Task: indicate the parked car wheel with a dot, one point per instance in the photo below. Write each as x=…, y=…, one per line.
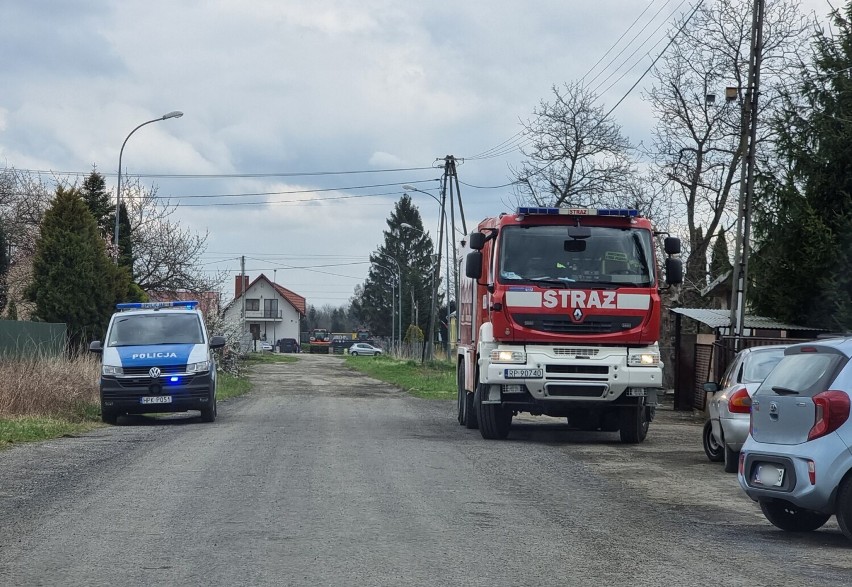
x=844, y=508
x=354, y=353
x=732, y=459
x=784, y=515
x=712, y=447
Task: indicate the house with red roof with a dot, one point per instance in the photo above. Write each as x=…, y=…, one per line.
x=272, y=312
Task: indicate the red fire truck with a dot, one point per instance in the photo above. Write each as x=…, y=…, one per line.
x=560, y=316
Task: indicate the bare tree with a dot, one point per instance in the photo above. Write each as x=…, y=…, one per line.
x=697, y=147
x=166, y=254
x=577, y=157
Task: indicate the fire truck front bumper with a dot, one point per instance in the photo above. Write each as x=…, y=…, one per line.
x=595, y=374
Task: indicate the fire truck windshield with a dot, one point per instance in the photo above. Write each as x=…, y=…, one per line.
x=609, y=256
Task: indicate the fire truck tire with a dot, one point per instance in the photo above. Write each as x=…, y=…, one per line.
x=471, y=419
x=461, y=393
x=634, y=424
x=494, y=420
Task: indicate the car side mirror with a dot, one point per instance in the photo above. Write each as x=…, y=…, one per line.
x=711, y=387
x=96, y=347
x=217, y=342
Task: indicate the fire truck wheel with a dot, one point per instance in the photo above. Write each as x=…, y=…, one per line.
x=634, y=424
x=462, y=394
x=494, y=420
x=471, y=420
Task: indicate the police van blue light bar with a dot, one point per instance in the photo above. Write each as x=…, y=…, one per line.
x=190, y=305
x=531, y=211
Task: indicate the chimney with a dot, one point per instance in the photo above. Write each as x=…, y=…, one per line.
x=240, y=285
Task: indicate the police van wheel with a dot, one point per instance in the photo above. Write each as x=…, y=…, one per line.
x=109, y=417
x=208, y=412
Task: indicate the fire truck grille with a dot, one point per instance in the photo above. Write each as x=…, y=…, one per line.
x=564, y=324
x=578, y=369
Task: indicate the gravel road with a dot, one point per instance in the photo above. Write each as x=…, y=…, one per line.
x=322, y=476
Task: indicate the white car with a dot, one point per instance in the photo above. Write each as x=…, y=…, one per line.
x=265, y=346
x=363, y=348
x=729, y=401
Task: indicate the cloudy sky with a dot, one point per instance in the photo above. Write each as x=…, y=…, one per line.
x=281, y=96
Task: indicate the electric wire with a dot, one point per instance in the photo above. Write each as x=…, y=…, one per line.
x=222, y=175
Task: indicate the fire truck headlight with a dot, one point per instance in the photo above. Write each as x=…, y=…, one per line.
x=644, y=360
x=498, y=356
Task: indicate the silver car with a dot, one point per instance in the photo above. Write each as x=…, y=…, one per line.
x=797, y=462
x=728, y=403
x=363, y=348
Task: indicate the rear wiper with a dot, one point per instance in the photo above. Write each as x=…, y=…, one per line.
x=784, y=390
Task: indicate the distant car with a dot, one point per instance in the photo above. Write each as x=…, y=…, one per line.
x=728, y=402
x=362, y=348
x=288, y=345
x=796, y=462
x=264, y=346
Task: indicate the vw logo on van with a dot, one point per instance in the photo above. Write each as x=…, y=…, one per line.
x=154, y=372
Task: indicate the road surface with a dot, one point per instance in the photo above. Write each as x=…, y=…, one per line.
x=322, y=476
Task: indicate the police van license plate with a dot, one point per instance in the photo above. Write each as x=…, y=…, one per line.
x=769, y=475
x=522, y=373
x=156, y=399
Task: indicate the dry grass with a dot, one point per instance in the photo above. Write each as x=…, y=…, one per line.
x=42, y=386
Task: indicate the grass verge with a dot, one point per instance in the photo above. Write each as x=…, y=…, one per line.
x=60, y=396
x=263, y=358
x=432, y=380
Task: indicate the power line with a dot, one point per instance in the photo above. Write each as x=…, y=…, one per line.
x=224, y=175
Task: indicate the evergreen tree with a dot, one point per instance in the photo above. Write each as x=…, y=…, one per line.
x=74, y=280
x=125, y=240
x=720, y=260
x=98, y=200
x=802, y=266
x=411, y=248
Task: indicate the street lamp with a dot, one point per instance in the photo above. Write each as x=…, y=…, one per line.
x=173, y=114
x=399, y=274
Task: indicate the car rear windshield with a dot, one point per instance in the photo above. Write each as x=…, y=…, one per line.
x=805, y=374
x=761, y=362
x=159, y=328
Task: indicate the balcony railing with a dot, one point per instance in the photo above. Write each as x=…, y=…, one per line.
x=264, y=315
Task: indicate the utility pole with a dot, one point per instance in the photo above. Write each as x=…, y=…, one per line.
x=748, y=138
x=449, y=225
x=243, y=297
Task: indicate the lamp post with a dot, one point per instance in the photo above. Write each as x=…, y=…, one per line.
x=173, y=114
x=432, y=314
x=399, y=274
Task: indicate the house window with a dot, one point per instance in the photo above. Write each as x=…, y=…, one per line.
x=270, y=308
x=252, y=305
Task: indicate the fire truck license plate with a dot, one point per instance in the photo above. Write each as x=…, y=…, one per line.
x=523, y=373
x=158, y=399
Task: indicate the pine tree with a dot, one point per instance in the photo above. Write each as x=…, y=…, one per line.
x=720, y=260
x=98, y=200
x=74, y=281
x=411, y=248
x=802, y=267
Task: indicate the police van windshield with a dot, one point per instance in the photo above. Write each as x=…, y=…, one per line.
x=159, y=328
x=611, y=256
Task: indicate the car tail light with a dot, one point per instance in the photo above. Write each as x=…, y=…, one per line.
x=832, y=410
x=811, y=472
x=739, y=402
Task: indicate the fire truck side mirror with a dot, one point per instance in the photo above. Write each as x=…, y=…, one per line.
x=477, y=241
x=672, y=245
x=473, y=265
x=674, y=271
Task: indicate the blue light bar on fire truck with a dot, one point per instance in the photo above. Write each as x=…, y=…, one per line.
x=531, y=211
x=189, y=305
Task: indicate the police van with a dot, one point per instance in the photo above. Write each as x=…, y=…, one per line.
x=157, y=357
